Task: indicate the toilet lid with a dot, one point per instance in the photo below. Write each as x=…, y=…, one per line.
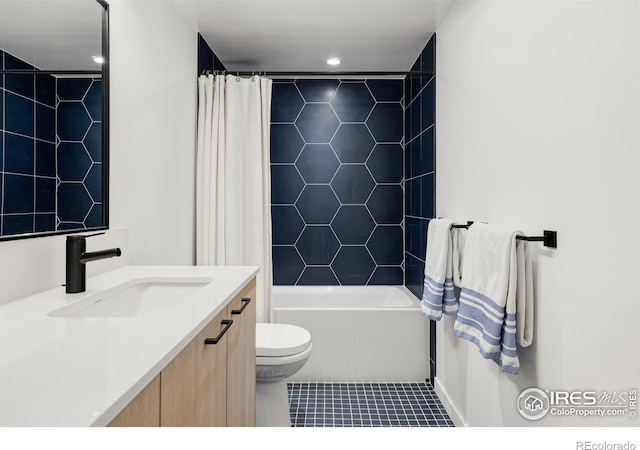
x=279, y=339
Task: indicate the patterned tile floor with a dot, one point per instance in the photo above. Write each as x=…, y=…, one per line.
x=365, y=405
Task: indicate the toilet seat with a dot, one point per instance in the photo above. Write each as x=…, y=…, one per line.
x=285, y=361
x=280, y=340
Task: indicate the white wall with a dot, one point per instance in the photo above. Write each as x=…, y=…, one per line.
x=153, y=126
x=538, y=118
x=29, y=266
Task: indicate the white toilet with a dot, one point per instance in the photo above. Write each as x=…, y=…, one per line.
x=281, y=350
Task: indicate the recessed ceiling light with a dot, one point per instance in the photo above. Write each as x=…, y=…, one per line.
x=333, y=61
x=98, y=59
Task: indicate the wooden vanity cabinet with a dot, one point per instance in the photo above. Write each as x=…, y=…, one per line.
x=241, y=360
x=142, y=411
x=193, y=386
x=209, y=384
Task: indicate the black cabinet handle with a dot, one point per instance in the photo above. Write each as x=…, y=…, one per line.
x=245, y=302
x=227, y=323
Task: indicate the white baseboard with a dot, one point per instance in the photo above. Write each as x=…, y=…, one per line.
x=453, y=412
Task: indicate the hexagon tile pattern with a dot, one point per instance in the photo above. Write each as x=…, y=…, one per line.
x=334, y=143
x=54, y=128
x=79, y=153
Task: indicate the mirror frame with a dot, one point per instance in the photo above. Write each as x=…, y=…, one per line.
x=105, y=140
x=105, y=115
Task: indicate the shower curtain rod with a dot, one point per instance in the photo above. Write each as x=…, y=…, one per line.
x=319, y=73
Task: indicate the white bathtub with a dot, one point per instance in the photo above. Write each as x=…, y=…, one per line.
x=359, y=333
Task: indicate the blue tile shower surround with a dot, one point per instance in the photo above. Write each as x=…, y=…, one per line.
x=419, y=167
x=27, y=149
x=365, y=405
x=51, y=151
x=79, y=153
x=337, y=174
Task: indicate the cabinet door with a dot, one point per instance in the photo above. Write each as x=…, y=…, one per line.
x=211, y=376
x=193, y=385
x=143, y=410
x=241, y=359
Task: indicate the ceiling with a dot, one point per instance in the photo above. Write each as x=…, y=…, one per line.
x=299, y=35
x=260, y=35
x=52, y=35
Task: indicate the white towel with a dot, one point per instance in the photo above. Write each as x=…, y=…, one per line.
x=458, y=238
x=438, y=295
x=524, y=295
x=497, y=295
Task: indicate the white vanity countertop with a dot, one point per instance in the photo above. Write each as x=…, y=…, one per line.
x=63, y=371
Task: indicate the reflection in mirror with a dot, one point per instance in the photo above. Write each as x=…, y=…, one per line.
x=52, y=155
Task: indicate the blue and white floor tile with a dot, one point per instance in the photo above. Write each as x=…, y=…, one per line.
x=365, y=405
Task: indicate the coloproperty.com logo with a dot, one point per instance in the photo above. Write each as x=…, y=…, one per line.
x=535, y=403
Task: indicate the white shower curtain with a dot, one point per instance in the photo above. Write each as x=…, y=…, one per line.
x=233, y=182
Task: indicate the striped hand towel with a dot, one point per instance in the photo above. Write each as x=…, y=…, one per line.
x=496, y=301
x=438, y=295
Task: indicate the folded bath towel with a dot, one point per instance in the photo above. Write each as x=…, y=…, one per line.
x=496, y=301
x=438, y=295
x=524, y=295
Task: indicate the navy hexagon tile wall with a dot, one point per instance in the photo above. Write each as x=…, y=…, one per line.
x=343, y=224
x=286, y=143
x=353, y=143
x=317, y=90
x=318, y=245
x=317, y=122
x=352, y=102
x=317, y=163
x=79, y=153
x=337, y=174
x=317, y=204
x=287, y=220
x=50, y=151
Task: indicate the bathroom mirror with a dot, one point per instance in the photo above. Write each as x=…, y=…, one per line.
x=54, y=105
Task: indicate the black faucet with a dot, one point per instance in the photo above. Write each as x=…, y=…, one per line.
x=77, y=257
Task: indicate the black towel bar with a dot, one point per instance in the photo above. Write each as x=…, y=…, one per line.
x=469, y=223
x=550, y=238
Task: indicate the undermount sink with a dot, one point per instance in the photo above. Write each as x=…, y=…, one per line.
x=135, y=298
